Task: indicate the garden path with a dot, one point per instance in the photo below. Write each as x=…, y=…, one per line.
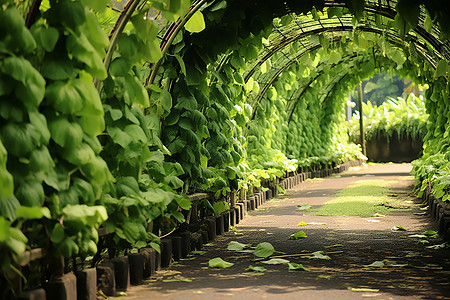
x=411, y=271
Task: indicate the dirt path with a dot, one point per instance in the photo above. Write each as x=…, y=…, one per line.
x=411, y=271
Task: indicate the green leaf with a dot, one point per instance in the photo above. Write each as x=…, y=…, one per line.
x=298, y=235
x=302, y=224
x=32, y=85
x=41, y=160
x=65, y=133
x=183, y=202
x=30, y=193
x=377, y=264
x=196, y=23
x=236, y=246
x=441, y=68
x=46, y=37
x=319, y=255
x=264, y=250
x=257, y=269
x=64, y=97
x=409, y=10
x=276, y=261
x=81, y=48
x=88, y=215
x=219, y=263
x=57, y=234
x=35, y=212
x=430, y=233
x=335, y=57
x=8, y=205
x=398, y=228
x=295, y=266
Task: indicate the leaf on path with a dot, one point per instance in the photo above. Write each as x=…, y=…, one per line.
x=324, y=277
x=219, y=263
x=264, y=249
x=256, y=269
x=276, y=261
x=377, y=264
x=177, y=279
x=304, y=207
x=198, y=252
x=420, y=236
x=246, y=251
x=364, y=290
x=121, y=294
x=298, y=235
x=295, y=266
x=430, y=233
x=398, y=228
x=335, y=245
x=316, y=223
x=440, y=246
x=377, y=215
x=422, y=242
x=236, y=246
x=302, y=224
x=319, y=255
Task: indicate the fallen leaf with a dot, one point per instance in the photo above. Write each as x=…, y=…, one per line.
x=304, y=207
x=298, y=235
x=422, y=242
x=319, y=255
x=236, y=246
x=177, y=279
x=294, y=266
x=430, y=233
x=264, y=249
x=276, y=261
x=316, y=223
x=377, y=215
x=398, y=228
x=121, y=294
x=198, y=252
x=420, y=236
x=324, y=276
x=376, y=264
x=219, y=263
x=364, y=290
x=256, y=269
x=302, y=224
x=335, y=245
x=440, y=246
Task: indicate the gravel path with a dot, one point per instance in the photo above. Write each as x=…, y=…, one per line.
x=411, y=271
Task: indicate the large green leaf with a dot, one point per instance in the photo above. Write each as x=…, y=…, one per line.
x=46, y=37
x=88, y=215
x=219, y=263
x=196, y=23
x=264, y=249
x=41, y=160
x=65, y=133
x=32, y=85
x=19, y=139
x=30, y=193
x=8, y=204
x=35, y=212
x=81, y=48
